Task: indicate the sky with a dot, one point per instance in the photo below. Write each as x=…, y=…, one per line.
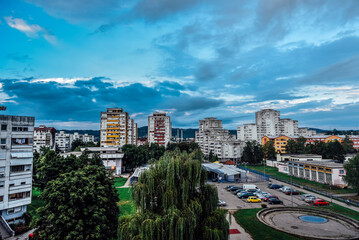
x=64, y=62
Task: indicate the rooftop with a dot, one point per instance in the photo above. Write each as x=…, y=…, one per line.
x=321, y=164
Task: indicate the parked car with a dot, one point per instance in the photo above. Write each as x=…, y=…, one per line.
x=292, y=191
x=320, y=202
x=275, y=186
x=274, y=201
x=229, y=187
x=245, y=195
x=267, y=198
x=253, y=199
x=234, y=189
x=237, y=191
x=304, y=196
x=221, y=203
x=252, y=190
x=284, y=188
x=310, y=199
x=266, y=195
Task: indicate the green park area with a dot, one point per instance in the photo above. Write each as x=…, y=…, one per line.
x=273, y=172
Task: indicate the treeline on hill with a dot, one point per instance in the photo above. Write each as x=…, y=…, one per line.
x=253, y=152
x=173, y=200
x=341, y=132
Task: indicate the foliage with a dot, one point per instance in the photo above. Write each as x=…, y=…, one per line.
x=269, y=150
x=352, y=172
x=189, y=147
x=136, y=156
x=77, y=144
x=212, y=157
x=79, y=204
x=296, y=146
x=50, y=165
x=335, y=151
x=252, y=153
x=258, y=230
x=348, y=145
x=174, y=202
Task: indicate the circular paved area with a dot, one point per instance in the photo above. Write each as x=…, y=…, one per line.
x=287, y=220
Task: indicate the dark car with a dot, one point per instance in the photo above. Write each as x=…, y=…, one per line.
x=245, y=195
x=252, y=190
x=274, y=201
x=291, y=191
x=238, y=191
x=267, y=198
x=234, y=189
x=275, y=186
x=229, y=187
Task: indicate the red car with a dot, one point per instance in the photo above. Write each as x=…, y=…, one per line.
x=294, y=192
x=266, y=198
x=320, y=202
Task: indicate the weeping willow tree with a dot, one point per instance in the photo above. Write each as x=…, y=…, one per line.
x=174, y=202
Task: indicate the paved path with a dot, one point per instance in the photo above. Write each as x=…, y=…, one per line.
x=243, y=235
x=317, y=194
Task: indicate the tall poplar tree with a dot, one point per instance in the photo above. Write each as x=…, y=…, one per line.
x=174, y=202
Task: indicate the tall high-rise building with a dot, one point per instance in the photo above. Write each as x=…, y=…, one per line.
x=213, y=139
x=44, y=137
x=16, y=155
x=117, y=129
x=159, y=129
x=289, y=127
x=63, y=141
x=268, y=123
x=247, y=132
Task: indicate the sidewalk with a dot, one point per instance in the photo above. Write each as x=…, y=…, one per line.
x=243, y=235
x=317, y=194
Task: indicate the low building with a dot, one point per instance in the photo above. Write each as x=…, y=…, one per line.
x=298, y=157
x=227, y=173
x=323, y=172
x=138, y=171
x=111, y=157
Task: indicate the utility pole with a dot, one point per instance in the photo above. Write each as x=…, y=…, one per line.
x=291, y=183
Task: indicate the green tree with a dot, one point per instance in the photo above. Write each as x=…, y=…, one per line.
x=269, y=150
x=174, y=202
x=352, y=172
x=335, y=151
x=291, y=146
x=79, y=204
x=183, y=146
x=76, y=143
x=348, y=145
x=252, y=153
x=300, y=145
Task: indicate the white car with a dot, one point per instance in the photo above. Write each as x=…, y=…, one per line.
x=304, y=196
x=285, y=188
x=310, y=199
x=221, y=203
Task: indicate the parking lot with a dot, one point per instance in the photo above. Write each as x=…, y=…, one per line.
x=233, y=202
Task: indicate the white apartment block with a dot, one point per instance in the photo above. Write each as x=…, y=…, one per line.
x=289, y=127
x=159, y=129
x=268, y=123
x=247, y=132
x=305, y=132
x=63, y=141
x=211, y=137
x=117, y=129
x=83, y=137
x=16, y=159
x=44, y=137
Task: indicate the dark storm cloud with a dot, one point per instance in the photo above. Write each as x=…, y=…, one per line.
x=195, y=103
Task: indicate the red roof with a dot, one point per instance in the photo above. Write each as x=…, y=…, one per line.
x=229, y=162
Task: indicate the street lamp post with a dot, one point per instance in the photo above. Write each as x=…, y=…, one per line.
x=291, y=183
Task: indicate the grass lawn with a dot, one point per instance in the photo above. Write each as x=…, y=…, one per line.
x=273, y=171
x=36, y=203
x=119, y=181
x=126, y=205
x=259, y=231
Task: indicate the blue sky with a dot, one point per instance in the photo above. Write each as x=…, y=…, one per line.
x=66, y=61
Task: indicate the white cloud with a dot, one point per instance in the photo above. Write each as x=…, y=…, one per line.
x=64, y=81
x=289, y=77
x=80, y=125
x=31, y=30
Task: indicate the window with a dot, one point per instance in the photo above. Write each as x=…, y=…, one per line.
x=12, y=185
x=3, y=141
x=3, y=127
x=20, y=168
x=1, y=198
x=18, y=196
x=2, y=184
x=23, y=183
x=20, y=129
x=14, y=210
x=341, y=171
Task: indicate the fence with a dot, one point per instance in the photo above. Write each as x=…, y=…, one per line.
x=266, y=176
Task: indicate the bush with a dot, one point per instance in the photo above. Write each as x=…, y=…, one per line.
x=264, y=205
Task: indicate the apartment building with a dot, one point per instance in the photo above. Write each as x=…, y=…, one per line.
x=83, y=137
x=63, y=141
x=16, y=159
x=159, y=129
x=306, y=132
x=211, y=137
x=247, y=132
x=117, y=129
x=44, y=137
x=288, y=127
x=268, y=123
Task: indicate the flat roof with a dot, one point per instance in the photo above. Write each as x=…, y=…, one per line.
x=225, y=169
x=322, y=164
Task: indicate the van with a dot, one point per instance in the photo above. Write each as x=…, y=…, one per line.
x=250, y=186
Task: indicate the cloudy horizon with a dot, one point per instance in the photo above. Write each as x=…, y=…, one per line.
x=65, y=62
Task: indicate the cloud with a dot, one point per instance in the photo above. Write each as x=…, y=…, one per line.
x=31, y=30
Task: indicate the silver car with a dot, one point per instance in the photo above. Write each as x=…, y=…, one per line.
x=221, y=203
x=304, y=196
x=310, y=199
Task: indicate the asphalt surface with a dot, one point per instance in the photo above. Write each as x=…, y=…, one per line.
x=233, y=202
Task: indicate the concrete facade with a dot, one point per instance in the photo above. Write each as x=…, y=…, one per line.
x=247, y=132
x=44, y=137
x=289, y=127
x=268, y=123
x=16, y=159
x=159, y=129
